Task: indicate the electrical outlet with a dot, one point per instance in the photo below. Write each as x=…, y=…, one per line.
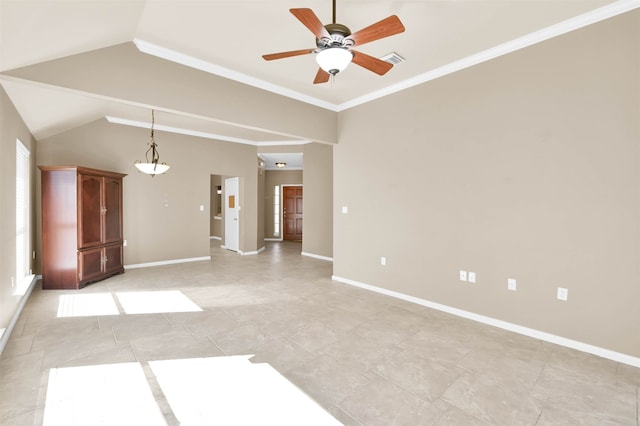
x=463, y=275
x=471, y=277
x=511, y=284
x=383, y=261
x=563, y=294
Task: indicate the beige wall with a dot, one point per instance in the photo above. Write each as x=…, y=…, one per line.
x=273, y=178
x=524, y=167
x=317, y=228
x=11, y=128
x=123, y=72
x=162, y=219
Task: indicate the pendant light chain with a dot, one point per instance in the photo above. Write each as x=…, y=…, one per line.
x=153, y=121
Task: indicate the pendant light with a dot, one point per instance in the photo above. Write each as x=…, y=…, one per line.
x=153, y=167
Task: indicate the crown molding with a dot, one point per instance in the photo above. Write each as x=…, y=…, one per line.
x=202, y=65
x=580, y=21
x=206, y=135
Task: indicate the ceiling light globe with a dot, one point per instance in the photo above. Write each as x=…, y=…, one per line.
x=334, y=59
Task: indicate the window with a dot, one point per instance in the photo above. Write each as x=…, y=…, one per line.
x=22, y=211
x=276, y=211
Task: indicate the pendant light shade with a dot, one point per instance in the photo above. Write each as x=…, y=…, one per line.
x=334, y=59
x=152, y=166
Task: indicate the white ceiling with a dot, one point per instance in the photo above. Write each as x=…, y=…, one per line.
x=292, y=160
x=229, y=37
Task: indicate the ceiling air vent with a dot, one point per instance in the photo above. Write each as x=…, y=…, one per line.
x=393, y=58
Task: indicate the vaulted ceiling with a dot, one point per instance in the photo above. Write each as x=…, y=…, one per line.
x=67, y=63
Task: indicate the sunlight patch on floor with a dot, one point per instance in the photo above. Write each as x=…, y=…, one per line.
x=227, y=390
x=232, y=390
x=156, y=302
x=86, y=305
x=114, y=394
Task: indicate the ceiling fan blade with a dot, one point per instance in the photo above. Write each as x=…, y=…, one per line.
x=385, y=28
x=272, y=56
x=376, y=65
x=321, y=77
x=311, y=21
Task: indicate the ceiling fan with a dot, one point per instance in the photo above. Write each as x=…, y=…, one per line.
x=335, y=44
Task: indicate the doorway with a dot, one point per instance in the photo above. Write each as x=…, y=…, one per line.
x=231, y=214
x=292, y=203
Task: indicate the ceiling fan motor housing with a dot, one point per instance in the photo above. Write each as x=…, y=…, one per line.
x=339, y=34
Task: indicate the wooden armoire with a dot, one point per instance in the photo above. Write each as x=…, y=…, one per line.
x=81, y=226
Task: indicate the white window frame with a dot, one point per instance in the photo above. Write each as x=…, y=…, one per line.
x=23, y=185
x=276, y=210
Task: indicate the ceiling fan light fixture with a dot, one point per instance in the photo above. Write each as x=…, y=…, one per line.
x=334, y=59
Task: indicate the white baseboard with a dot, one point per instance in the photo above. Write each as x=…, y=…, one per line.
x=213, y=237
x=166, y=262
x=250, y=253
x=536, y=334
x=4, y=339
x=273, y=239
x=317, y=256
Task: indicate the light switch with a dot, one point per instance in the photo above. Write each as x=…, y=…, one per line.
x=511, y=284
x=563, y=294
x=463, y=275
x=472, y=277
x=201, y=208
x=345, y=209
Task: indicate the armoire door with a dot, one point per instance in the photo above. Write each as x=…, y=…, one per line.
x=89, y=211
x=112, y=210
x=113, y=258
x=90, y=264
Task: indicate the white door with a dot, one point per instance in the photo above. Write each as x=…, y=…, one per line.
x=231, y=214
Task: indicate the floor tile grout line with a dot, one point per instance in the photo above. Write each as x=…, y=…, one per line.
x=158, y=393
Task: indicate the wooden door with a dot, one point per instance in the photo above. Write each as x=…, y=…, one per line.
x=292, y=213
x=90, y=211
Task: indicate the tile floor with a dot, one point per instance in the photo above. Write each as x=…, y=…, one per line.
x=364, y=358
